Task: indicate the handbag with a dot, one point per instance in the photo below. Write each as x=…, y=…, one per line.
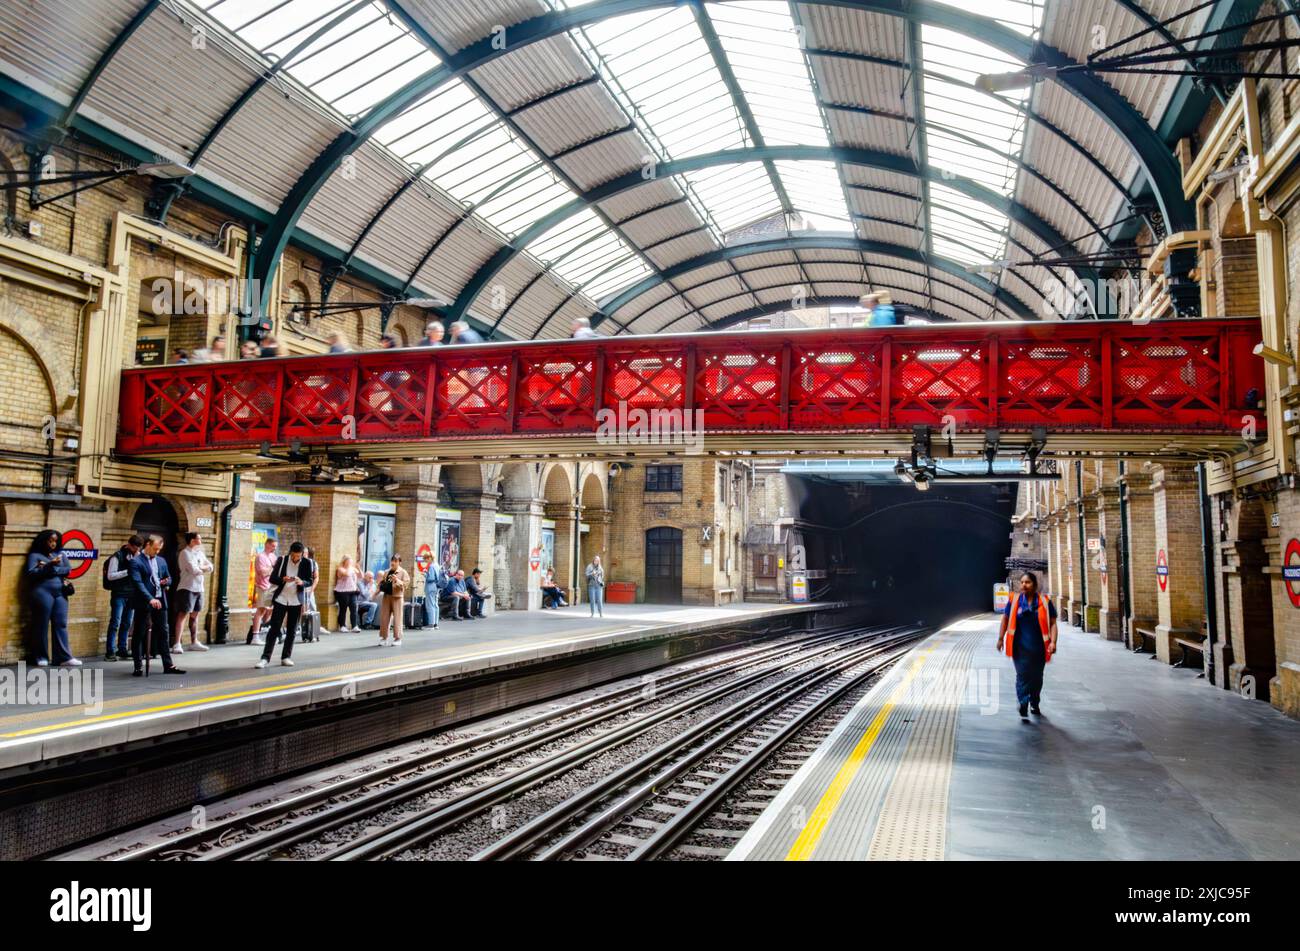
x=69, y=589
x=386, y=586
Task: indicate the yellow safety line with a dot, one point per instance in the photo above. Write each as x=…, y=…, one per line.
x=804, y=846
x=251, y=693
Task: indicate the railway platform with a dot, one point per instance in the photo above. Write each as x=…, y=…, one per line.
x=1130, y=760
x=221, y=686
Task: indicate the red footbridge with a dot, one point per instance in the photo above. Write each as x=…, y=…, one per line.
x=1107, y=387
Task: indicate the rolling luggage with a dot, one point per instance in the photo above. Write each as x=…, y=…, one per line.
x=310, y=627
x=413, y=615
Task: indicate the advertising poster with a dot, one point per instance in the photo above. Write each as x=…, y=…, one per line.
x=261, y=532
x=449, y=544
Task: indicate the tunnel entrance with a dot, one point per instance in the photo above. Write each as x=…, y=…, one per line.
x=928, y=556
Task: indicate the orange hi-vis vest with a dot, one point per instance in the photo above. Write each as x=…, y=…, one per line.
x=1044, y=625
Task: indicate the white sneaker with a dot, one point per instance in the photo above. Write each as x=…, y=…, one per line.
x=261, y=662
x=197, y=646
x=258, y=641
x=42, y=663
x=397, y=643
x=286, y=662
x=71, y=662
x=383, y=642
x=356, y=630
x=324, y=630
x=178, y=649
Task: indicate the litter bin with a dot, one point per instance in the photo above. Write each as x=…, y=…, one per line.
x=620, y=592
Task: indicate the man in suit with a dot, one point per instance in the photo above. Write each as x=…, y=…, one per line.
x=292, y=580
x=149, y=582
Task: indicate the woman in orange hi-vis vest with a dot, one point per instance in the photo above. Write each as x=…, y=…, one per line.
x=1032, y=643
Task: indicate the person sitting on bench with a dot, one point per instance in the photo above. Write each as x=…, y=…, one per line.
x=552, y=596
x=478, y=595
x=457, y=595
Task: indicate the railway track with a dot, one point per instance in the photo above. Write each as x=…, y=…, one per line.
x=736, y=709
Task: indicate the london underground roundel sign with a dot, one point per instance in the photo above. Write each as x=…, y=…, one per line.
x=81, y=551
x=1291, y=571
x=1162, y=570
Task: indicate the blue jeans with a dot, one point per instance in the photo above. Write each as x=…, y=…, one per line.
x=50, y=609
x=596, y=596
x=368, y=611
x=119, y=624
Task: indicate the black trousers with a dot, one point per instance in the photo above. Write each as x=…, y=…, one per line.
x=476, y=605
x=280, y=614
x=147, y=618
x=347, y=601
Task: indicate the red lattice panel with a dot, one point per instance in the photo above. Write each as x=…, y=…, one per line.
x=739, y=386
x=393, y=398
x=1169, y=380
x=175, y=406
x=645, y=378
x=834, y=386
x=556, y=391
x=317, y=395
x=473, y=394
x=933, y=379
x=244, y=403
x=1047, y=383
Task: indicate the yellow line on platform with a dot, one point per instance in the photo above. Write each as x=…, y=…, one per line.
x=813, y=829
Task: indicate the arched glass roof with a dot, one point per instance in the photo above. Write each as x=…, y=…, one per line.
x=650, y=164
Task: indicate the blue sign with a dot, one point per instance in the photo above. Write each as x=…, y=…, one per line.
x=76, y=554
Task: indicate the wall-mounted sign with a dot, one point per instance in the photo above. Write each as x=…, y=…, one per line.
x=1001, y=596
x=298, y=500
x=202, y=521
x=1094, y=544
x=1291, y=571
x=798, y=588
x=448, y=515
x=376, y=507
x=1162, y=570
x=150, y=351
x=424, y=559
x=80, y=552
x=504, y=519
x=535, y=559
x=243, y=525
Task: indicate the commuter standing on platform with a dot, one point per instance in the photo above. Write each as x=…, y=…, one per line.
x=150, y=580
x=117, y=579
x=1028, y=635
x=291, y=583
x=596, y=586
x=347, y=583
x=263, y=565
x=434, y=579
x=194, y=564
x=393, y=585
x=47, y=576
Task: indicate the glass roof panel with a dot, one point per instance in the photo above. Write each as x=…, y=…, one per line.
x=350, y=54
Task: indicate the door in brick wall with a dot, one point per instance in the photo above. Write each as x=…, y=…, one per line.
x=663, y=566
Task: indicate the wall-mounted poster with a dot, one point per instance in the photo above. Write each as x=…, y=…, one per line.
x=375, y=541
x=261, y=532
x=449, y=544
x=548, y=549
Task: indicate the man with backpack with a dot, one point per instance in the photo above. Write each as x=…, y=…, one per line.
x=117, y=581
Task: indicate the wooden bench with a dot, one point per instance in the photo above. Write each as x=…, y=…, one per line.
x=1191, y=644
x=1146, y=638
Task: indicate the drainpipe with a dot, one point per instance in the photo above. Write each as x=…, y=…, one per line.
x=223, y=573
x=1208, y=564
x=1125, y=557
x=1082, y=561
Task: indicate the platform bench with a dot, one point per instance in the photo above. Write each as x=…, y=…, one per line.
x=1190, y=645
x=1146, y=638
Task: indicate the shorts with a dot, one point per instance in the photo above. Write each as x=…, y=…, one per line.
x=189, y=602
x=265, y=598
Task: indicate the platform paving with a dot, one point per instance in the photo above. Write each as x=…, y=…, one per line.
x=1132, y=759
x=222, y=684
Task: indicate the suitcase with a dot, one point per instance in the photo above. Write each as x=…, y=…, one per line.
x=412, y=615
x=310, y=627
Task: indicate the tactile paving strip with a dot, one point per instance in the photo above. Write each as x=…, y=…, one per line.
x=913, y=820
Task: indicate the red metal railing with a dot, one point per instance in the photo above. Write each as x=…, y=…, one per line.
x=1167, y=376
